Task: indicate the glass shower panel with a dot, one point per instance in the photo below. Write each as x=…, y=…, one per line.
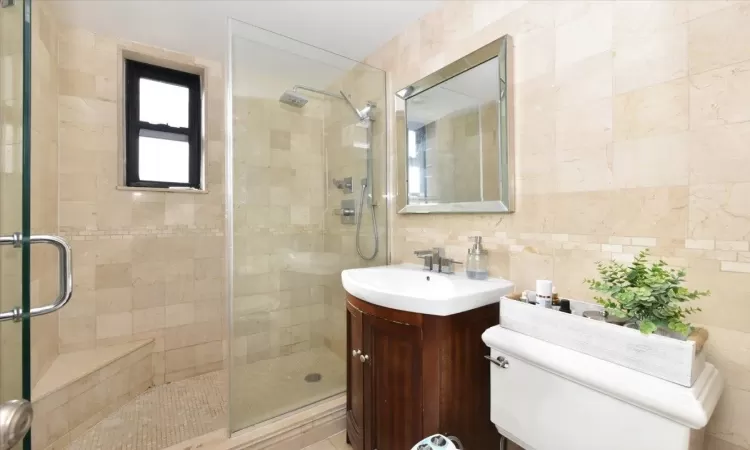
x=14, y=202
x=292, y=134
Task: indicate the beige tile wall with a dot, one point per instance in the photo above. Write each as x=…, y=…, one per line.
x=631, y=133
x=279, y=206
x=43, y=195
x=44, y=185
x=11, y=114
x=147, y=264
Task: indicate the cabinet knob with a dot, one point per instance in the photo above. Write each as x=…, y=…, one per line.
x=356, y=353
x=364, y=358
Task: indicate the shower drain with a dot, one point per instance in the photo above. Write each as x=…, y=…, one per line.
x=313, y=377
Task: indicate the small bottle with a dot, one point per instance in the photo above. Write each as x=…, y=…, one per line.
x=565, y=306
x=555, y=297
x=544, y=293
x=476, y=261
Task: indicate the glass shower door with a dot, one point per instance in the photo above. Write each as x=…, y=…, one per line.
x=14, y=223
x=302, y=162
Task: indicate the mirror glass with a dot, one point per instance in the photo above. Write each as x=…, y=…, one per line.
x=455, y=125
x=448, y=127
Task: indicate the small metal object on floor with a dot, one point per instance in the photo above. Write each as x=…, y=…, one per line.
x=313, y=377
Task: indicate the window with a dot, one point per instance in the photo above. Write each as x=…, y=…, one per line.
x=163, y=127
x=416, y=145
x=415, y=168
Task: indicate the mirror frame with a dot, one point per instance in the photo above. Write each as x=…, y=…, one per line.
x=502, y=49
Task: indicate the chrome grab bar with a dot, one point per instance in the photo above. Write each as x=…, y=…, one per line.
x=66, y=274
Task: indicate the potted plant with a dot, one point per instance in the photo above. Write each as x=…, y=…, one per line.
x=649, y=295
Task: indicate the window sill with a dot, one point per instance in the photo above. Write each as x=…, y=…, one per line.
x=170, y=190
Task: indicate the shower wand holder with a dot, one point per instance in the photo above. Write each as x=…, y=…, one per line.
x=367, y=192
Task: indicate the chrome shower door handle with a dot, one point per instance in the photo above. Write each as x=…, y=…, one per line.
x=66, y=274
x=65, y=255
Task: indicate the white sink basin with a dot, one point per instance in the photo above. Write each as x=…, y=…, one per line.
x=408, y=287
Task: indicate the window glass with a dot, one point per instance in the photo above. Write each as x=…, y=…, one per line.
x=412, y=144
x=166, y=160
x=415, y=173
x=164, y=103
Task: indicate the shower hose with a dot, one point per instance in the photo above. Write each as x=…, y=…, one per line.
x=359, y=224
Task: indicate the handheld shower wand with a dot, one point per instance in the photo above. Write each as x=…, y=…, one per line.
x=364, y=115
x=367, y=192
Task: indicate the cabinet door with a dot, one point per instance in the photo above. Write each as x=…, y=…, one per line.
x=355, y=409
x=393, y=384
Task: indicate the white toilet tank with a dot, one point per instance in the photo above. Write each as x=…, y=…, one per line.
x=546, y=397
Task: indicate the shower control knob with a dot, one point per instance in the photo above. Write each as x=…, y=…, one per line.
x=345, y=184
x=346, y=212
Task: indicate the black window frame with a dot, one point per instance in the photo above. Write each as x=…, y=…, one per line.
x=134, y=71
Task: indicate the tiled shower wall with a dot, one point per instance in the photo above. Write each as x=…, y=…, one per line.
x=43, y=195
x=11, y=52
x=44, y=185
x=631, y=132
x=279, y=206
x=147, y=264
x=345, y=147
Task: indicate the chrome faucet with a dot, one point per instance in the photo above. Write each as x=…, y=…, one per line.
x=436, y=256
x=430, y=257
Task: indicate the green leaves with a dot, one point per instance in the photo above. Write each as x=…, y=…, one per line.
x=650, y=294
x=647, y=327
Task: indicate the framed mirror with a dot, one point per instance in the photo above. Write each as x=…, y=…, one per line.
x=454, y=136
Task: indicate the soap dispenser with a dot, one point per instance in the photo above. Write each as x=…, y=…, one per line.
x=476, y=261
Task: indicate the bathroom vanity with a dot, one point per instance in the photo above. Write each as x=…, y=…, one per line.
x=411, y=375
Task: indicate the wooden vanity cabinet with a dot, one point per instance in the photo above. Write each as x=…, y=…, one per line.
x=412, y=375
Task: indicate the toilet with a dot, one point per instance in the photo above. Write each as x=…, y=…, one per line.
x=546, y=397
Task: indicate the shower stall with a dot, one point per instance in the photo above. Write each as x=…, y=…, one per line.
x=155, y=350
x=306, y=178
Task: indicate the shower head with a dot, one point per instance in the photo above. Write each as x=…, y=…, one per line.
x=292, y=98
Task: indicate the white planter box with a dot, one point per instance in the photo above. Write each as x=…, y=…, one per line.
x=666, y=358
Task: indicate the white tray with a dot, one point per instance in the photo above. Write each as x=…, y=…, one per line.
x=663, y=357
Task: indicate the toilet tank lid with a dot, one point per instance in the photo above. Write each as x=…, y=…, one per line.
x=689, y=406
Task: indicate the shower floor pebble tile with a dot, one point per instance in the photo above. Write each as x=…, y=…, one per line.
x=172, y=413
x=162, y=416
